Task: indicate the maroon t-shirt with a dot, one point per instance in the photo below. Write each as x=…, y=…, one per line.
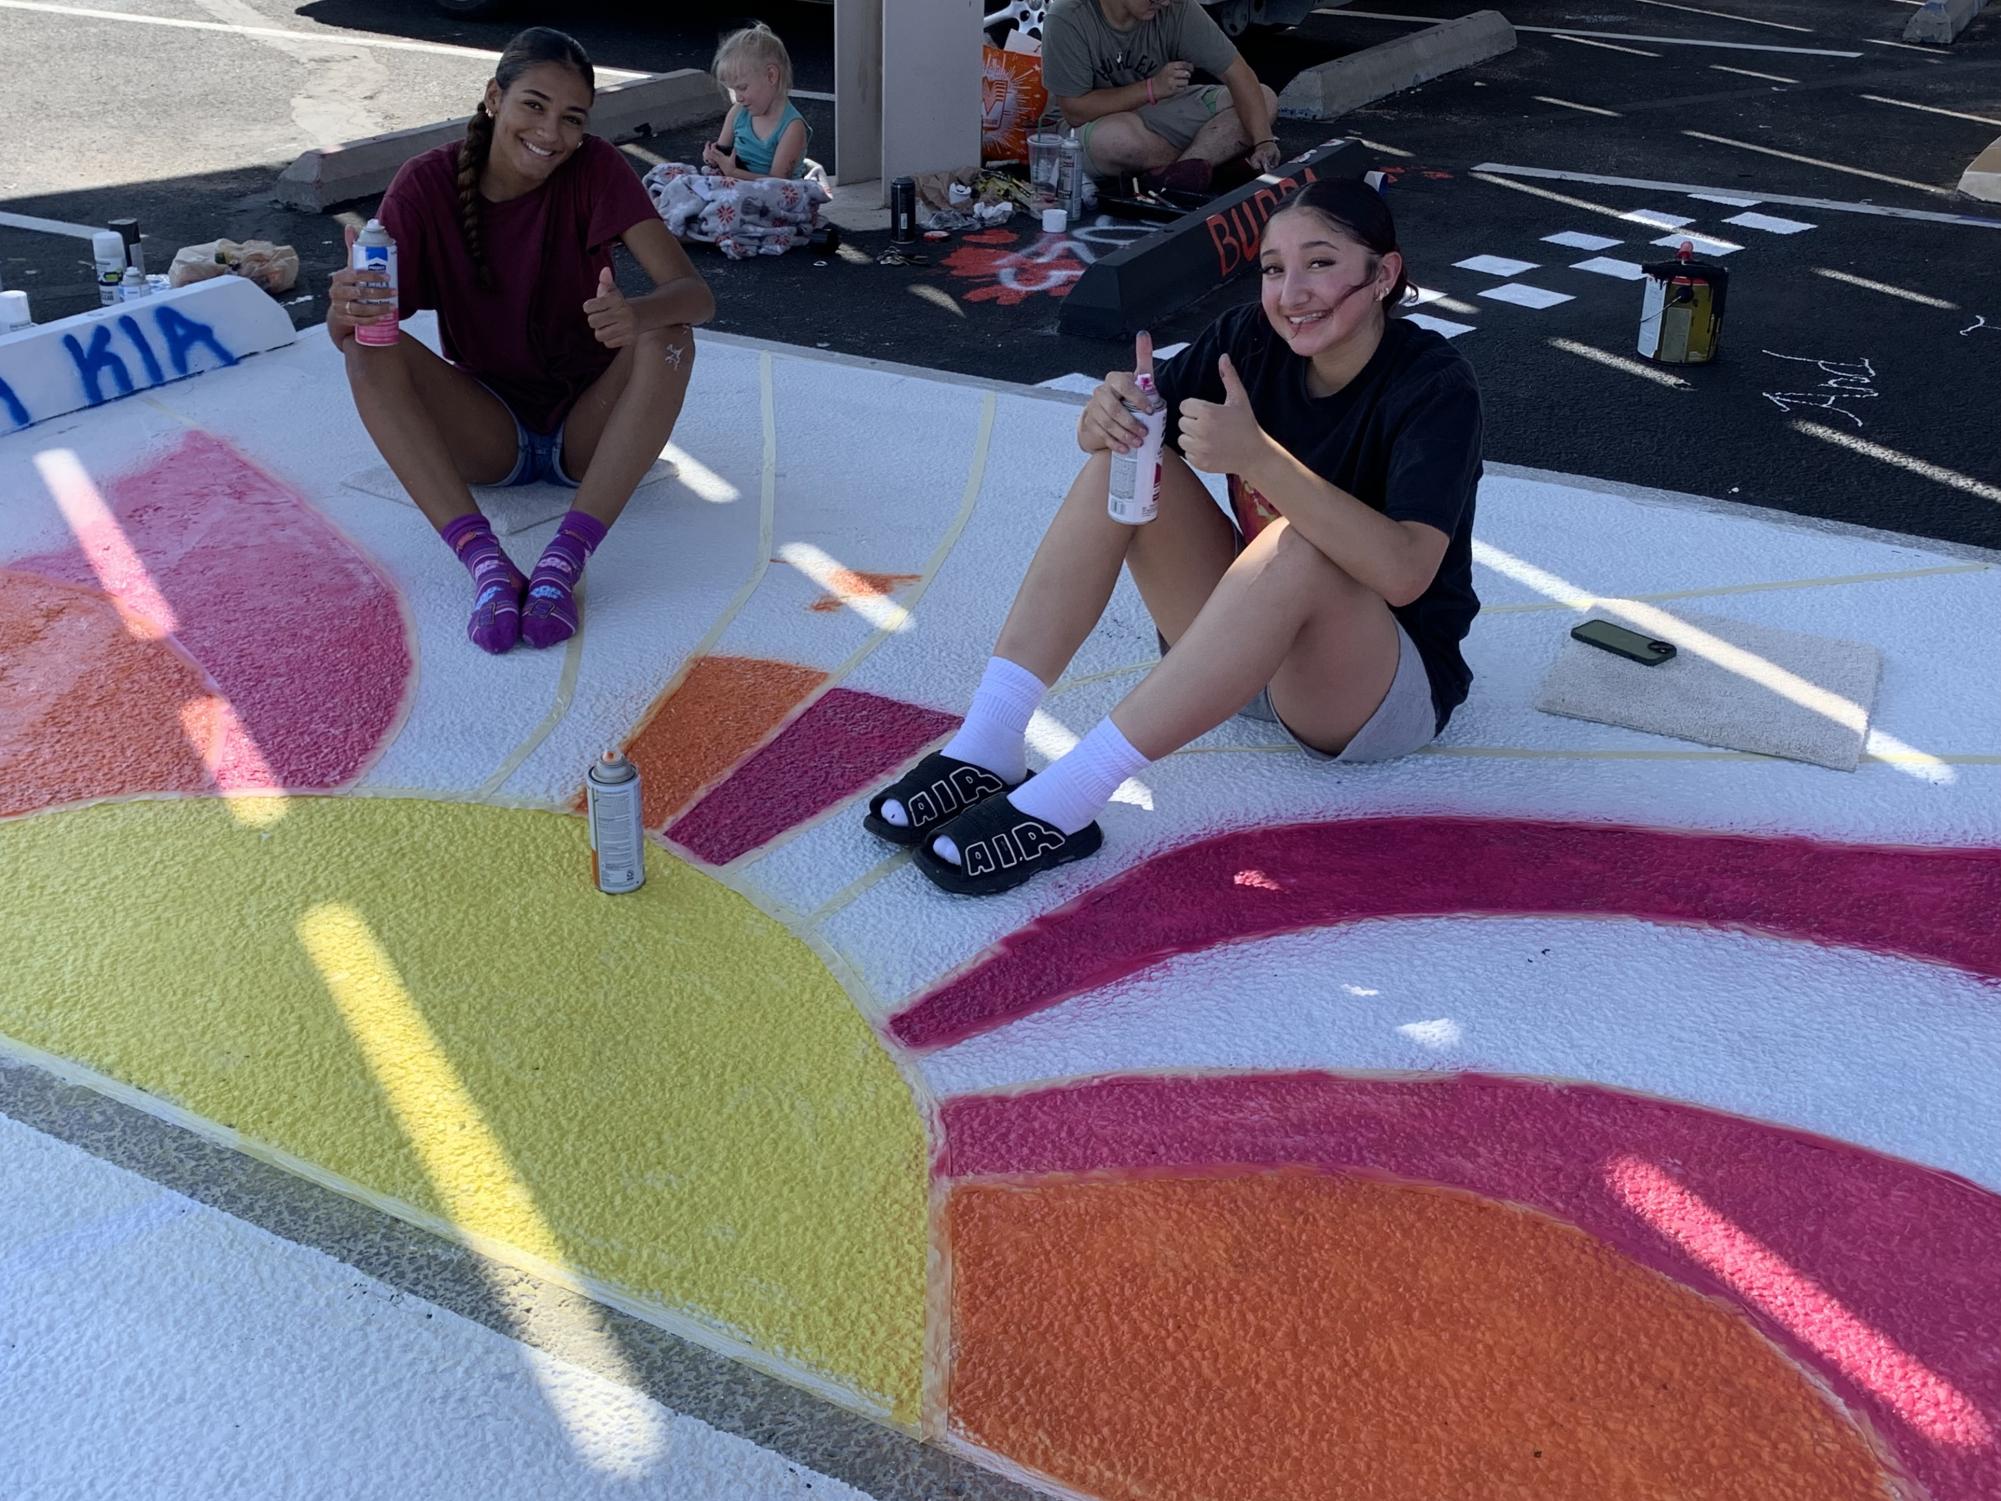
x=528, y=338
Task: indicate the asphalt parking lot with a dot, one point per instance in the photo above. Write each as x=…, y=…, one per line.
x=1861, y=365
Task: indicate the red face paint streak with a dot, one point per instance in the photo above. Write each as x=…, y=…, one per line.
x=1881, y=1275
x=1932, y=904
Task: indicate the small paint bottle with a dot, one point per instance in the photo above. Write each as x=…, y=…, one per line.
x=1133, y=497
x=617, y=829
x=14, y=313
x=135, y=285
x=107, y=248
x=375, y=250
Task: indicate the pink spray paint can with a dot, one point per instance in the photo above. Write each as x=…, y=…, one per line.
x=375, y=250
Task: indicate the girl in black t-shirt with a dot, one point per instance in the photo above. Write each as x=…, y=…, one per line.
x=1333, y=598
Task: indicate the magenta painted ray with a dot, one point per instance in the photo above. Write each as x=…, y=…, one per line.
x=1933, y=904
x=1882, y=1275
x=302, y=634
x=841, y=744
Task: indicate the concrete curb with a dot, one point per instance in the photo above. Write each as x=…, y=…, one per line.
x=361, y=169
x=1982, y=177
x=1939, y=21
x=1331, y=89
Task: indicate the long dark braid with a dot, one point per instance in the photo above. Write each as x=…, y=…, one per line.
x=536, y=45
x=472, y=158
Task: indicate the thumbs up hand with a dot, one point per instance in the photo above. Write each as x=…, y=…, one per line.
x=611, y=316
x=1223, y=437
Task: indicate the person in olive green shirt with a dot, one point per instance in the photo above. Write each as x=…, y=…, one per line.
x=1122, y=71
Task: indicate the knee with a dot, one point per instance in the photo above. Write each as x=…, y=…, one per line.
x=1280, y=556
x=1271, y=102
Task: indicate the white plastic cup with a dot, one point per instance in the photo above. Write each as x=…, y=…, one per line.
x=14, y=312
x=1054, y=221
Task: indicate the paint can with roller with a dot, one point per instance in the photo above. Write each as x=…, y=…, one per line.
x=618, y=832
x=1681, y=310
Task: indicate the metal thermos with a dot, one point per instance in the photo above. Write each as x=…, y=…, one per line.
x=903, y=211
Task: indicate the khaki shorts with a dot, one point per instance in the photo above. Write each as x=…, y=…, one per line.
x=1175, y=120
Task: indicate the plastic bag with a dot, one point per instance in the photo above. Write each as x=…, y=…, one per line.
x=275, y=268
x=1012, y=99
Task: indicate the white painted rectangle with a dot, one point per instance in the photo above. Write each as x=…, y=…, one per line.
x=1704, y=244
x=1443, y=326
x=1653, y=218
x=1578, y=240
x=1771, y=224
x=1730, y=198
x=1624, y=270
x=1494, y=265
x=1523, y=295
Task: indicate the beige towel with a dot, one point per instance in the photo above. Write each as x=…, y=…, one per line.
x=1746, y=687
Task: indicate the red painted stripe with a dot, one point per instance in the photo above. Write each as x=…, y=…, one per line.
x=1883, y=1276
x=1932, y=904
x=842, y=743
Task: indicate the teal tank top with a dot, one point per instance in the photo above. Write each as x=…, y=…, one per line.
x=754, y=154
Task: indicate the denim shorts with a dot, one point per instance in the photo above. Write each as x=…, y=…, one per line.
x=538, y=457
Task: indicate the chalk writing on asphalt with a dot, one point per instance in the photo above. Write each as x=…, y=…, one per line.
x=1980, y=321
x=1845, y=381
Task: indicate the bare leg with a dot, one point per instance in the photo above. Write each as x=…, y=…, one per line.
x=1284, y=614
x=619, y=425
x=1122, y=143
x=438, y=428
x=1224, y=137
x=1176, y=559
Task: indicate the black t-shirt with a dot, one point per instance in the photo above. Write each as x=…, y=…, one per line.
x=1403, y=437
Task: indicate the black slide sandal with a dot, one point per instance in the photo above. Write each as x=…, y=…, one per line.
x=1002, y=847
x=933, y=793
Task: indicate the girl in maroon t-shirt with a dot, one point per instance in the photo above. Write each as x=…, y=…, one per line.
x=550, y=372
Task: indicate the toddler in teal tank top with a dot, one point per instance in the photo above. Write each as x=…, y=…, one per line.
x=762, y=135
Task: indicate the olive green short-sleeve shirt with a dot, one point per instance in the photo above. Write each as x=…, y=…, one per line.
x=1081, y=52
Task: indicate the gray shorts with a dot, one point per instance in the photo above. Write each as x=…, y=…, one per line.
x=1406, y=719
x=1175, y=120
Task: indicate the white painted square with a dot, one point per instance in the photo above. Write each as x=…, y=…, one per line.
x=1444, y=326
x=1704, y=244
x=1653, y=218
x=1523, y=295
x=1577, y=240
x=1624, y=270
x=1169, y=351
x=1771, y=224
x=1418, y=296
x=1494, y=265
x=1075, y=381
x=1730, y=198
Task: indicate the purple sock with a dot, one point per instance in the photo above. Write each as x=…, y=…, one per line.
x=549, y=614
x=497, y=584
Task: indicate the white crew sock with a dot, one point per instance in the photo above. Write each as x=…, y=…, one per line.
x=994, y=733
x=1076, y=787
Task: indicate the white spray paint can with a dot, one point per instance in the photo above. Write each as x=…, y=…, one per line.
x=618, y=832
x=375, y=250
x=1133, y=497
x=135, y=285
x=107, y=248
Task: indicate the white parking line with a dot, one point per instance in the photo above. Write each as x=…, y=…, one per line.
x=1814, y=161
x=1835, y=205
x=1749, y=73
x=1724, y=15
x=47, y=226
x=1589, y=109
x=1886, y=289
x=1585, y=41
x=1930, y=109
x=1571, y=33
x=279, y=33
x=1930, y=52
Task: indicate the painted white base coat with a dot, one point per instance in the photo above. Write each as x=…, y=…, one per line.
x=1824, y=1040
x=156, y=1347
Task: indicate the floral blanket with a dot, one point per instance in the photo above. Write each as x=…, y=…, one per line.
x=763, y=216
